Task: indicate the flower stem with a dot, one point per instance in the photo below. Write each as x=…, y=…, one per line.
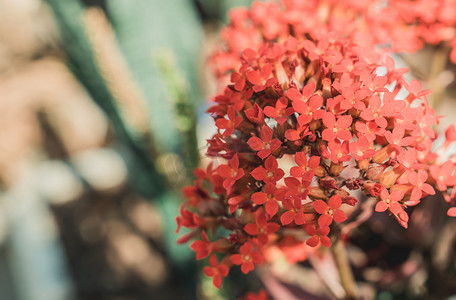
x=345, y=272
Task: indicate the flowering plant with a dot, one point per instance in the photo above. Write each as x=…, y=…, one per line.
x=314, y=121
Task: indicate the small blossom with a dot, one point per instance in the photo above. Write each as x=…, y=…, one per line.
x=261, y=228
x=318, y=235
x=418, y=180
x=229, y=124
x=217, y=271
x=271, y=173
x=266, y=144
x=230, y=172
x=390, y=201
x=280, y=111
x=247, y=258
x=336, y=128
x=330, y=211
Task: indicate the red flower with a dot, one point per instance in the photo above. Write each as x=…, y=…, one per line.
x=319, y=235
x=444, y=175
x=377, y=112
x=373, y=83
x=397, y=139
x=330, y=211
x=297, y=189
x=310, y=110
x=261, y=80
x=299, y=134
x=203, y=248
x=418, y=180
x=294, y=212
x=230, y=124
x=361, y=149
x=261, y=228
x=216, y=270
x=368, y=129
x=187, y=219
x=271, y=174
x=352, y=95
x=230, y=172
x=316, y=51
x=270, y=196
x=280, y=112
x=414, y=88
x=336, y=128
x=304, y=166
x=450, y=135
x=339, y=152
x=295, y=95
x=452, y=212
x=390, y=201
x=261, y=295
x=247, y=258
x=344, y=128
x=266, y=145
x=255, y=114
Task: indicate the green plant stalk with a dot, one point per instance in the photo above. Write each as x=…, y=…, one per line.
x=185, y=113
x=345, y=272
x=83, y=64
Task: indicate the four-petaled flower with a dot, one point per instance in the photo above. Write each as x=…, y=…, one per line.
x=329, y=211
x=397, y=139
x=269, y=198
x=261, y=228
x=304, y=165
x=310, y=110
x=216, y=270
x=203, y=248
x=361, y=149
x=247, y=258
x=229, y=124
x=318, y=235
x=280, y=111
x=261, y=80
x=271, y=173
x=444, y=175
x=390, y=201
x=336, y=128
x=418, y=180
x=266, y=144
x=230, y=172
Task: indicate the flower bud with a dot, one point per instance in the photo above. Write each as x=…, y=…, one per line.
x=326, y=88
x=316, y=192
x=383, y=154
x=354, y=183
x=363, y=164
x=328, y=182
x=281, y=75
x=336, y=169
x=350, y=201
x=389, y=178
x=342, y=193
x=406, y=188
x=374, y=172
x=320, y=171
x=371, y=188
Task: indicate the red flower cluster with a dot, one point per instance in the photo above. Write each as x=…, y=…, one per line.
x=402, y=25
x=420, y=21
x=308, y=124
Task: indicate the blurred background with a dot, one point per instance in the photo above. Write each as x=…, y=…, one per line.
x=98, y=109
x=101, y=122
